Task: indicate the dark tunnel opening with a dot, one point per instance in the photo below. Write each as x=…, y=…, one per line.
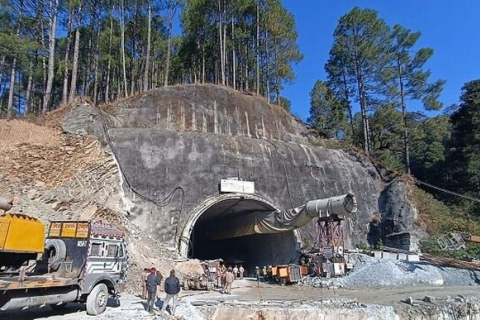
x=250, y=250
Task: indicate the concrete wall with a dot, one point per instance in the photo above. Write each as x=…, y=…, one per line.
x=190, y=137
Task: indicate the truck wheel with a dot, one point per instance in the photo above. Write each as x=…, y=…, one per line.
x=97, y=300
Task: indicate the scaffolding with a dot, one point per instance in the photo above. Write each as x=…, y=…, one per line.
x=331, y=261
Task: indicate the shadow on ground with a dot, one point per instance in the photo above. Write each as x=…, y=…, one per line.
x=47, y=311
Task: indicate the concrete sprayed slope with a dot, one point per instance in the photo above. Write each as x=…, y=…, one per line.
x=286, y=174
x=209, y=109
x=175, y=144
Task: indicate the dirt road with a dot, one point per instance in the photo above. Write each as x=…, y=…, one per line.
x=247, y=293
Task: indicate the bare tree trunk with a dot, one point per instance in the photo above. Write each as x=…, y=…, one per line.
x=2, y=65
x=51, y=56
x=225, y=26
x=234, y=58
x=147, y=55
x=267, y=80
x=203, y=62
x=133, y=64
x=41, y=28
x=245, y=66
x=109, y=64
x=67, y=51
x=222, y=44
x=258, y=51
x=404, y=115
x=88, y=65
x=12, y=88
x=347, y=101
x=29, y=87
x=363, y=103
x=154, y=74
x=73, y=83
x=171, y=13
x=3, y=84
x=122, y=45
x=119, y=83
x=95, y=73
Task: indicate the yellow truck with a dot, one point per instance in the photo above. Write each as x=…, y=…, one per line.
x=77, y=261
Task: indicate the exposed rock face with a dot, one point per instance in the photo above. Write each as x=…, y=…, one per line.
x=175, y=144
x=398, y=217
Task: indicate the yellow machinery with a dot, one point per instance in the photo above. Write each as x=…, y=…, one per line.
x=22, y=238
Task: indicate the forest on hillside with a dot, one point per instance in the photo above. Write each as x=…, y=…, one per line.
x=381, y=69
x=111, y=49
x=54, y=50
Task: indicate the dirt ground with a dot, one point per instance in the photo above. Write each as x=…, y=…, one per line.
x=247, y=293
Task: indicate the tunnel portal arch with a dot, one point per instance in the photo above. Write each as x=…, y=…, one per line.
x=258, y=249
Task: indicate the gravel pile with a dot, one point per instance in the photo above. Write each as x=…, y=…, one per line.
x=372, y=272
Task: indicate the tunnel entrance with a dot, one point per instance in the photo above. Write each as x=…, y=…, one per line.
x=251, y=250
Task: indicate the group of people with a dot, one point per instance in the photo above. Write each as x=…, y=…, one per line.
x=228, y=275
x=151, y=281
x=264, y=272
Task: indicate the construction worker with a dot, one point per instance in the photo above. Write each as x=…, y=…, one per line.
x=257, y=274
x=235, y=272
x=269, y=273
x=241, y=271
x=152, y=282
x=218, y=272
x=172, y=288
x=264, y=273
x=229, y=277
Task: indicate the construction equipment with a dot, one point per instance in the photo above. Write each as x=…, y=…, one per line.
x=455, y=241
x=328, y=211
x=196, y=275
x=22, y=238
x=451, y=241
x=81, y=261
x=282, y=221
x=284, y=274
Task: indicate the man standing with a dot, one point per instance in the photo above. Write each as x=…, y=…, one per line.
x=241, y=271
x=235, y=272
x=228, y=281
x=152, y=282
x=172, y=288
x=223, y=271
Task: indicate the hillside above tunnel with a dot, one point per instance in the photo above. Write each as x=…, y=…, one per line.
x=175, y=144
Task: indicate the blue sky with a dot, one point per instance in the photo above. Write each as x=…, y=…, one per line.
x=450, y=28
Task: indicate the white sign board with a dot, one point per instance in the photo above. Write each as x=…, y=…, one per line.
x=237, y=186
